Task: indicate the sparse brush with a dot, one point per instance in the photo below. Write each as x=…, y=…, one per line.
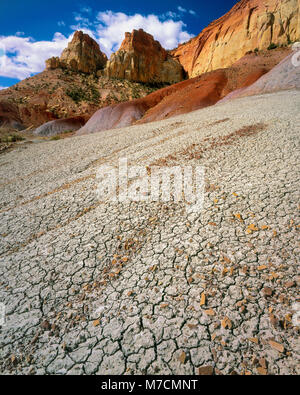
x=77, y=94
x=8, y=135
x=272, y=46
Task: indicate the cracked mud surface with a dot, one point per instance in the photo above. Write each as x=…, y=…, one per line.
x=147, y=288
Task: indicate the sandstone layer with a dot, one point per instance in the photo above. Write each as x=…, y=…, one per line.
x=82, y=54
x=249, y=25
x=142, y=59
x=186, y=96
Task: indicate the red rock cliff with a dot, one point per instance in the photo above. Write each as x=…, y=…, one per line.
x=82, y=54
x=142, y=59
x=250, y=24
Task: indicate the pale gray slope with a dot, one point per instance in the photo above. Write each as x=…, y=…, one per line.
x=110, y=288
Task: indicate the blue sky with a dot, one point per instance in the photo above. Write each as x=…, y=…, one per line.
x=32, y=31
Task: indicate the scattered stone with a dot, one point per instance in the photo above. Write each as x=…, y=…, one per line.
x=164, y=305
x=290, y=284
x=268, y=292
x=226, y=323
x=262, y=267
x=96, y=323
x=262, y=371
x=46, y=325
x=277, y=346
x=203, y=299
x=263, y=363
x=274, y=320
x=210, y=312
x=206, y=371
x=252, y=228
x=182, y=357
x=253, y=340
x=13, y=360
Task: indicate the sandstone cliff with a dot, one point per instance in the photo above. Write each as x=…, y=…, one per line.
x=188, y=95
x=82, y=54
x=250, y=24
x=142, y=59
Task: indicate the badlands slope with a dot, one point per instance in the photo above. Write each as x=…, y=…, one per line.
x=187, y=96
x=127, y=288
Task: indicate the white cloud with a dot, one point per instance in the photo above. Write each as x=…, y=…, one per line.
x=61, y=23
x=170, y=15
x=184, y=10
x=112, y=27
x=3, y=87
x=87, y=10
x=82, y=22
x=25, y=56
x=181, y=9
x=81, y=19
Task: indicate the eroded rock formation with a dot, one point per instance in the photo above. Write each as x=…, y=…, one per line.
x=82, y=54
x=250, y=24
x=142, y=59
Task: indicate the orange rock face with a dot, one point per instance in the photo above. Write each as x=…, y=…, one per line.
x=186, y=96
x=142, y=59
x=53, y=63
x=208, y=88
x=82, y=54
x=250, y=24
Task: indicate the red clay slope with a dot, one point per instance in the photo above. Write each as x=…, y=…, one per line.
x=284, y=76
x=209, y=88
x=186, y=96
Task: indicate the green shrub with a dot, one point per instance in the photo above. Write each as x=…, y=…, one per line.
x=272, y=46
x=76, y=94
x=9, y=136
x=89, y=94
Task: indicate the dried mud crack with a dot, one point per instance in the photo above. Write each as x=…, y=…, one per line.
x=94, y=287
